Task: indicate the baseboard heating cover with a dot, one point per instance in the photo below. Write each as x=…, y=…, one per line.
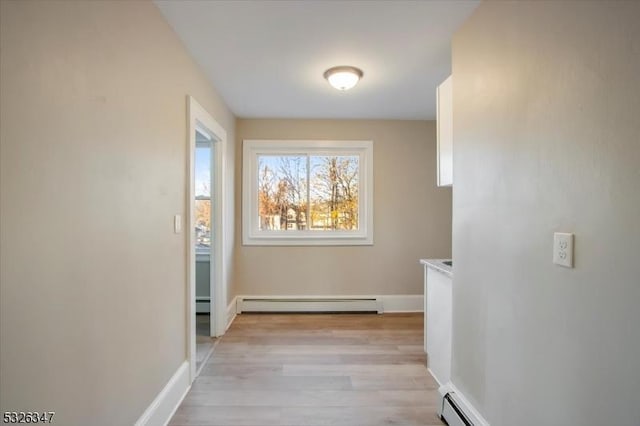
x=309, y=304
x=452, y=414
x=456, y=410
x=203, y=304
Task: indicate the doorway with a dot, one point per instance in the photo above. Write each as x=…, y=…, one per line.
x=203, y=183
x=206, y=296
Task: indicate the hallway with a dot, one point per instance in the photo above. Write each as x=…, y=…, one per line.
x=314, y=369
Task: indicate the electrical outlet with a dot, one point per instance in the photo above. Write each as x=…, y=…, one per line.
x=563, y=249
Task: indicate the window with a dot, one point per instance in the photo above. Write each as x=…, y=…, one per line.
x=203, y=194
x=307, y=192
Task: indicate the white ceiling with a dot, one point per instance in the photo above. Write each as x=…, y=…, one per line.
x=266, y=58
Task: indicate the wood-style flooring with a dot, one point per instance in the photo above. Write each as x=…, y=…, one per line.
x=315, y=370
x=204, y=341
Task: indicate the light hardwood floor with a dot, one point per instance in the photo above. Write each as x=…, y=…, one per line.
x=315, y=370
x=204, y=341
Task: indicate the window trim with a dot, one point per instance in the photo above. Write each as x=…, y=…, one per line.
x=251, y=235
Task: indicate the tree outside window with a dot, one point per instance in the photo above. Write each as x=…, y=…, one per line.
x=309, y=189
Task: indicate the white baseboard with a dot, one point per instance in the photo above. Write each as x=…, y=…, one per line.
x=168, y=400
x=463, y=403
x=231, y=312
x=440, y=385
x=380, y=303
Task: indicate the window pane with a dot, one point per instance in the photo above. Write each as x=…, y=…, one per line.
x=203, y=172
x=334, y=192
x=203, y=223
x=282, y=192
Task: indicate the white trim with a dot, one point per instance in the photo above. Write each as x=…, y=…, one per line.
x=251, y=235
x=232, y=311
x=433, y=376
x=199, y=119
x=165, y=404
x=384, y=303
x=463, y=403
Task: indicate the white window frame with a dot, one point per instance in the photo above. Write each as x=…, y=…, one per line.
x=252, y=235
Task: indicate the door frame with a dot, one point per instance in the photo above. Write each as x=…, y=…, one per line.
x=199, y=118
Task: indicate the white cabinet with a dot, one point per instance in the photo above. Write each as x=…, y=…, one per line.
x=438, y=322
x=444, y=96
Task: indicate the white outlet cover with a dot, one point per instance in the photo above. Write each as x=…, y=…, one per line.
x=563, y=249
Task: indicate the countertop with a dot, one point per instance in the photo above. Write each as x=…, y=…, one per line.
x=438, y=266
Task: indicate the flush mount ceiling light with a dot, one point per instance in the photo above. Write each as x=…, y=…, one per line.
x=343, y=77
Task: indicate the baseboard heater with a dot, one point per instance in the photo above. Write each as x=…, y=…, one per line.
x=203, y=304
x=451, y=412
x=311, y=304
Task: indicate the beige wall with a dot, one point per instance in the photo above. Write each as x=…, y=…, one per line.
x=93, y=168
x=546, y=107
x=412, y=217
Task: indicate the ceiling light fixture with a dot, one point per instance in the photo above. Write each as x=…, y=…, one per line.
x=343, y=77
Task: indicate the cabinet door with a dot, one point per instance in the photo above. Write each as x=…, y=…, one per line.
x=439, y=319
x=445, y=132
